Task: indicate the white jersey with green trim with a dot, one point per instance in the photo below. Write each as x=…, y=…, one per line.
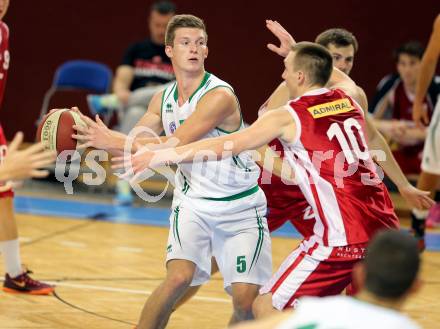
x=230, y=178
x=343, y=312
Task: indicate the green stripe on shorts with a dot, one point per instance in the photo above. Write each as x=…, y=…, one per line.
x=259, y=242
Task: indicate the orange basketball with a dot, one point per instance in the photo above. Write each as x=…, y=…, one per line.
x=56, y=130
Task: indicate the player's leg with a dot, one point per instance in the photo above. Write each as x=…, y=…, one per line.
x=426, y=182
x=160, y=304
x=9, y=245
x=262, y=306
x=430, y=175
x=188, y=264
x=192, y=291
x=242, y=248
x=310, y=270
x=16, y=280
x=243, y=296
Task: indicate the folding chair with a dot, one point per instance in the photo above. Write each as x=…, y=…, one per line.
x=79, y=74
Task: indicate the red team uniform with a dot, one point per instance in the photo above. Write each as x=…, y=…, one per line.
x=338, y=179
x=4, y=65
x=286, y=203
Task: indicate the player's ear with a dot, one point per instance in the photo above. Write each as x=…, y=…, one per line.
x=300, y=77
x=206, y=52
x=169, y=51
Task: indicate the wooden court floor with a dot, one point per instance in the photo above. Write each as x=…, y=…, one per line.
x=105, y=271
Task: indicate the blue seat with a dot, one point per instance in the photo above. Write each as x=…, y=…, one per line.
x=79, y=74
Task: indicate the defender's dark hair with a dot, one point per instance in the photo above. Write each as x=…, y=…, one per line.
x=164, y=7
x=339, y=37
x=391, y=264
x=412, y=48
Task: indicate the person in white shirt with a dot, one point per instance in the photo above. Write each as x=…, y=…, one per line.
x=387, y=277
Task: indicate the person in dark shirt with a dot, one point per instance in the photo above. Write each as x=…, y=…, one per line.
x=392, y=107
x=145, y=70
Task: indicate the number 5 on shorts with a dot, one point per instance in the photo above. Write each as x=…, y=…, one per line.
x=241, y=264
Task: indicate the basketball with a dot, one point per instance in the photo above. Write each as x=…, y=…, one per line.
x=56, y=129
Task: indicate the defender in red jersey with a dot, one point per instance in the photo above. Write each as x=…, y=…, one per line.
x=286, y=202
x=17, y=280
x=322, y=132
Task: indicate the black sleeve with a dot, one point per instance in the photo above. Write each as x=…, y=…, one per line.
x=129, y=56
x=382, y=89
x=434, y=90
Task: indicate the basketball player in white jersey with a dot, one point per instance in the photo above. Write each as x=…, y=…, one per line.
x=218, y=209
x=430, y=175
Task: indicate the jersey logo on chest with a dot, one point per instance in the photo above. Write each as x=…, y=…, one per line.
x=168, y=108
x=331, y=108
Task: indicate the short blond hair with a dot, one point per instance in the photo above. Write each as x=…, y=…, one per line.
x=180, y=21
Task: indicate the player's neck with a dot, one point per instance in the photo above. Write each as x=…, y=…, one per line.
x=393, y=304
x=187, y=84
x=310, y=88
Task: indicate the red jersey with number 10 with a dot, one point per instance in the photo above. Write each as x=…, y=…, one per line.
x=334, y=168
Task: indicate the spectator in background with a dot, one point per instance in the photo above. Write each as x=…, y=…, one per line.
x=144, y=70
x=392, y=107
x=387, y=277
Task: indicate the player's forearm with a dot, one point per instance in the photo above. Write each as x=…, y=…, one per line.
x=152, y=142
x=220, y=148
x=120, y=86
x=389, y=165
x=123, y=79
x=4, y=174
x=416, y=134
x=274, y=164
x=279, y=97
x=426, y=72
x=338, y=77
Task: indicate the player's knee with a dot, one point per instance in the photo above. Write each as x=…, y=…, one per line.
x=179, y=280
x=243, y=299
x=262, y=305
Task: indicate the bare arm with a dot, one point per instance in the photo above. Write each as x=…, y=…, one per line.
x=426, y=72
x=376, y=142
x=97, y=135
x=215, y=109
x=121, y=84
x=271, y=162
x=22, y=164
x=275, y=124
x=382, y=107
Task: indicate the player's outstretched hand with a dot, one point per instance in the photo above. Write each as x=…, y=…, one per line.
x=93, y=134
x=416, y=198
x=135, y=163
x=286, y=40
x=420, y=115
x=22, y=164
